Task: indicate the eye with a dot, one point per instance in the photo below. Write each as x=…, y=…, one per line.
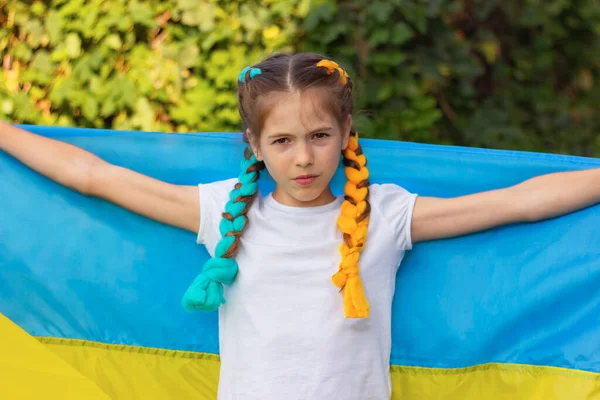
x=321, y=135
x=281, y=141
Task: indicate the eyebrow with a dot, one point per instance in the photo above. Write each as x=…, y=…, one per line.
x=283, y=134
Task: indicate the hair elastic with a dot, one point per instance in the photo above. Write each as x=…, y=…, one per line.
x=253, y=73
x=331, y=67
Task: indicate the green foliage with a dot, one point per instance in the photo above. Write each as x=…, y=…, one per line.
x=486, y=73
x=505, y=74
x=121, y=64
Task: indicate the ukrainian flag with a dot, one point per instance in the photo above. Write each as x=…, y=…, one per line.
x=91, y=293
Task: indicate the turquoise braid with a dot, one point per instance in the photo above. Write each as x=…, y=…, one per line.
x=206, y=291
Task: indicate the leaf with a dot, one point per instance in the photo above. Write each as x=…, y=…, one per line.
x=108, y=108
x=144, y=114
x=59, y=91
x=7, y=106
x=35, y=32
x=113, y=41
x=90, y=108
x=379, y=36
x=90, y=19
x=186, y=4
x=201, y=15
x=321, y=14
x=381, y=10
x=142, y=14
x=401, y=33
x=191, y=17
x=42, y=63
x=37, y=8
x=333, y=32
x=490, y=51
x=188, y=56
x=22, y=52
x=54, y=26
x=303, y=8
x=208, y=13
x=73, y=45
x=271, y=33
x=59, y=54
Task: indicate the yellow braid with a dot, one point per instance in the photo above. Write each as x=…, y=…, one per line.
x=347, y=277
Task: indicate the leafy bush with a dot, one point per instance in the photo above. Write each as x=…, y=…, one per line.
x=153, y=65
x=486, y=73
x=509, y=74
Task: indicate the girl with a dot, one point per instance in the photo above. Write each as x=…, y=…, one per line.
x=287, y=331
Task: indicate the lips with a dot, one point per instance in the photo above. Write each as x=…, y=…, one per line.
x=304, y=180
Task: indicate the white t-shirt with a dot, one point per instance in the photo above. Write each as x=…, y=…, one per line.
x=282, y=332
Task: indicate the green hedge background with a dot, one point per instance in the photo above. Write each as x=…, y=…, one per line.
x=500, y=74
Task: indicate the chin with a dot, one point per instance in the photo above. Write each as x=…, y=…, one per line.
x=305, y=196
x=308, y=195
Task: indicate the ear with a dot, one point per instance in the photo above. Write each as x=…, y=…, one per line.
x=346, y=132
x=253, y=141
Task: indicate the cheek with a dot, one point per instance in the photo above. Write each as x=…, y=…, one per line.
x=276, y=161
x=331, y=153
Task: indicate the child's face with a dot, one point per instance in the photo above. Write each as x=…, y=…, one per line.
x=300, y=145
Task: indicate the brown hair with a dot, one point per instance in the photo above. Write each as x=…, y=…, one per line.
x=300, y=73
x=291, y=73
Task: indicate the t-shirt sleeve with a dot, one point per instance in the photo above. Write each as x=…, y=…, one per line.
x=396, y=205
x=213, y=198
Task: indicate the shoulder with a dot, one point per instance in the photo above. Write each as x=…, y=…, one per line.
x=386, y=192
x=214, y=195
x=393, y=206
x=216, y=191
x=213, y=198
x=220, y=185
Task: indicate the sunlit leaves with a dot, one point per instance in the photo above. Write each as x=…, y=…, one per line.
x=152, y=65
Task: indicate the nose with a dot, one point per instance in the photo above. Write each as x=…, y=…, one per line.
x=304, y=154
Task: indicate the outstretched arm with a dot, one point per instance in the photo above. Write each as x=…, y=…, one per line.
x=88, y=174
x=535, y=199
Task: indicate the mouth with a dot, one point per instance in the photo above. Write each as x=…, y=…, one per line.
x=304, y=180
